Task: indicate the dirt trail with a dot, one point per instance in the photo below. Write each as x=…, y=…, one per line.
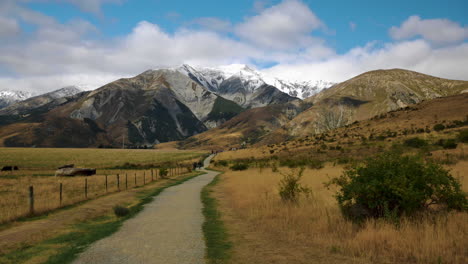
x=168, y=230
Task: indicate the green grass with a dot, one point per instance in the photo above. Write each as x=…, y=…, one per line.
x=216, y=237
x=66, y=247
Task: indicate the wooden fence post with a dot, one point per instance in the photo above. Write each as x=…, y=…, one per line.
x=135, y=180
x=118, y=182
x=144, y=177
x=126, y=182
x=152, y=175
x=86, y=188
x=106, y=182
x=60, y=194
x=31, y=200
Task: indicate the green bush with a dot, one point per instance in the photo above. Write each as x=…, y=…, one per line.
x=163, y=172
x=463, y=136
x=448, y=143
x=290, y=189
x=415, y=142
x=239, y=166
x=439, y=127
x=222, y=163
x=121, y=211
x=301, y=162
x=393, y=185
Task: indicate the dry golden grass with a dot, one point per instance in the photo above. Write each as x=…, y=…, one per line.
x=51, y=158
x=37, y=167
x=14, y=192
x=315, y=231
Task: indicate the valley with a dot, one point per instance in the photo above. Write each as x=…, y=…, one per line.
x=259, y=134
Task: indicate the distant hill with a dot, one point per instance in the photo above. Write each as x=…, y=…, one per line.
x=29, y=104
x=368, y=95
x=8, y=97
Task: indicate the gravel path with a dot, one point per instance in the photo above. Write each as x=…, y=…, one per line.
x=168, y=230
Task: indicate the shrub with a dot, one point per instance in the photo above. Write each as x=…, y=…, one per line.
x=463, y=136
x=121, y=211
x=448, y=143
x=290, y=189
x=415, y=142
x=222, y=163
x=439, y=127
x=239, y=166
x=163, y=172
x=393, y=184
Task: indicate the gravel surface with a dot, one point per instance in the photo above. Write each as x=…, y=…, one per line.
x=168, y=230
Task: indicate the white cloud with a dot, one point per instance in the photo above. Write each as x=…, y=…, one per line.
x=437, y=31
x=8, y=27
x=61, y=54
x=283, y=26
x=417, y=55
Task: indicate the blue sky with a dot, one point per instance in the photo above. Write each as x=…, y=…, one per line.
x=48, y=43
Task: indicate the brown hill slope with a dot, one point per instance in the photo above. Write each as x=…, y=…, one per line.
x=364, y=138
x=249, y=127
x=368, y=95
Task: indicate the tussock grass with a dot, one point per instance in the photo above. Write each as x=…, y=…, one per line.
x=316, y=223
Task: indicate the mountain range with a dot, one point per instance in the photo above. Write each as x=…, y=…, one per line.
x=206, y=107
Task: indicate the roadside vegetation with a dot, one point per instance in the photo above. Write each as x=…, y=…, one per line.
x=37, y=168
x=347, y=196
x=74, y=237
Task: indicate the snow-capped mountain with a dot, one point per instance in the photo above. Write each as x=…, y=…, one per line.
x=64, y=92
x=10, y=97
x=251, y=79
x=238, y=83
x=56, y=97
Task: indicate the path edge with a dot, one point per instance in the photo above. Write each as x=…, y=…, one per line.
x=96, y=229
x=218, y=246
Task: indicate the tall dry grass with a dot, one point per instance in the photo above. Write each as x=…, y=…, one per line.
x=252, y=198
x=14, y=189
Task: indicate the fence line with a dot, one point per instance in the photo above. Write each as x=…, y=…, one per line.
x=69, y=192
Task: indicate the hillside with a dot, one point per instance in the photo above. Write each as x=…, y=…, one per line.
x=363, y=138
x=367, y=95
x=247, y=128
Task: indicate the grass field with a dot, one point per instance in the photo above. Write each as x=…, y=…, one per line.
x=51, y=158
x=315, y=230
x=37, y=168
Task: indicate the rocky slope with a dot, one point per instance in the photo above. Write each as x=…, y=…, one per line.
x=153, y=107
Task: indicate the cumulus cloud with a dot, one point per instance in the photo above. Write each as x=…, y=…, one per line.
x=417, y=55
x=437, y=31
x=283, y=26
x=58, y=54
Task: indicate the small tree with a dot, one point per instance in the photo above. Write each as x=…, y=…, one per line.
x=393, y=184
x=290, y=188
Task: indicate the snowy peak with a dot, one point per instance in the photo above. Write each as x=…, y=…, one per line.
x=10, y=97
x=64, y=92
x=251, y=79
